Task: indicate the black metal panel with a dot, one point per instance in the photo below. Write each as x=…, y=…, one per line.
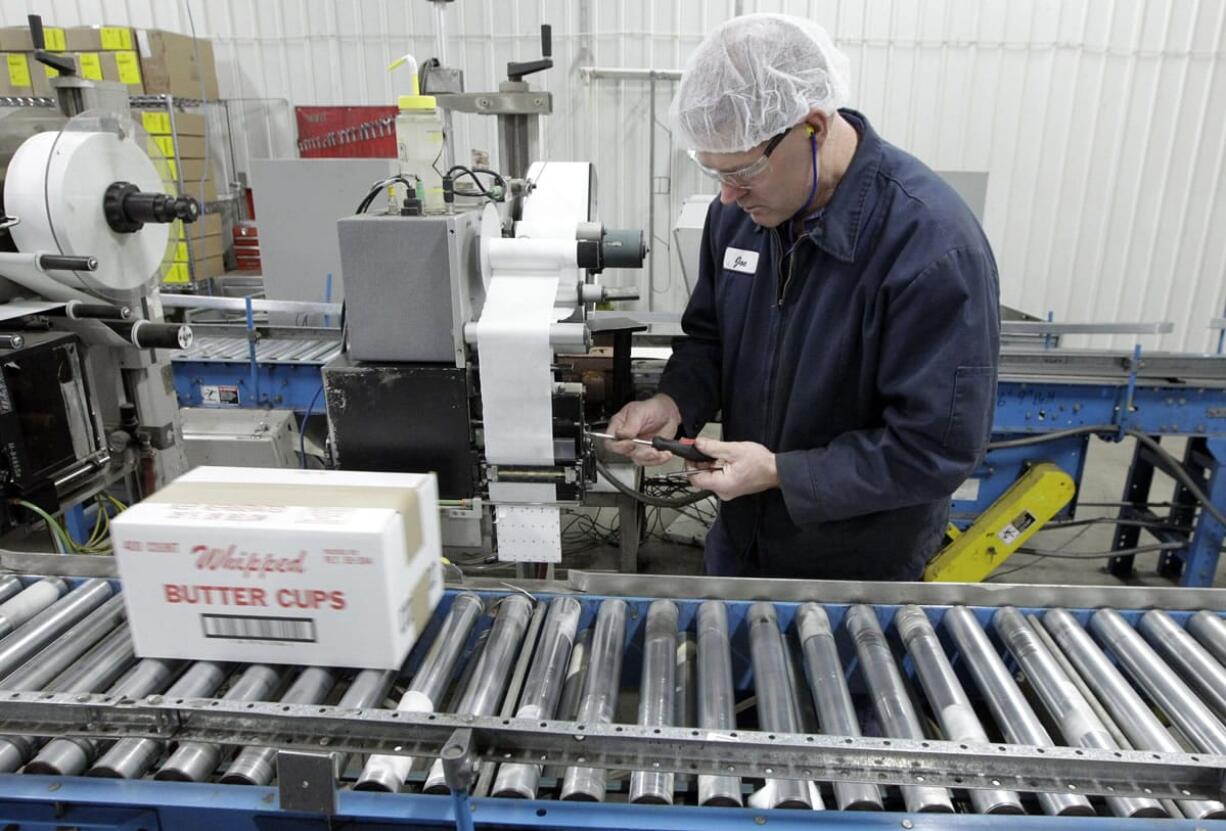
x=402, y=418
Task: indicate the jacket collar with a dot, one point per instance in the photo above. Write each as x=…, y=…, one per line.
x=837, y=228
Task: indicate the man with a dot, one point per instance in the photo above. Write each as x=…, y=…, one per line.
x=845, y=322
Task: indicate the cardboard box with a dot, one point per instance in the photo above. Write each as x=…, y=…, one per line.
x=330, y=568
x=124, y=67
x=99, y=39
x=206, y=226
x=23, y=77
x=199, y=248
x=169, y=66
x=158, y=122
x=18, y=39
x=180, y=273
x=204, y=190
x=189, y=147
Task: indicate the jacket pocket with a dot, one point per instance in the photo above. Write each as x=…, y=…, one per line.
x=970, y=409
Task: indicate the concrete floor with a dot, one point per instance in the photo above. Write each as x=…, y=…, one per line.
x=1106, y=469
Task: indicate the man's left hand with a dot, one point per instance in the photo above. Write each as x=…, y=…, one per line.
x=744, y=467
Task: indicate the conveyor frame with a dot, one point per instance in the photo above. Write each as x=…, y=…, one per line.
x=84, y=802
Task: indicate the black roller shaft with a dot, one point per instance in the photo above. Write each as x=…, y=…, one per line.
x=145, y=335
x=127, y=208
x=63, y=262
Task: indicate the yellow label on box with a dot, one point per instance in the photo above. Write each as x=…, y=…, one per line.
x=91, y=66
x=19, y=70
x=51, y=71
x=115, y=38
x=53, y=37
x=129, y=67
x=155, y=122
x=177, y=273
x=165, y=144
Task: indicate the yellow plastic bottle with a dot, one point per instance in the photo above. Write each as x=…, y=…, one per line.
x=419, y=139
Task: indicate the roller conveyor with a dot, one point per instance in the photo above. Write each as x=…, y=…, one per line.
x=874, y=710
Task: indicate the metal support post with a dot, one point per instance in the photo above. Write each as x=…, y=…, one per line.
x=1202, y=553
x=458, y=771
x=1136, y=491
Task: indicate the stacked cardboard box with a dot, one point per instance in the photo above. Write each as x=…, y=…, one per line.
x=177, y=65
x=181, y=142
x=107, y=53
x=103, y=53
x=147, y=60
x=21, y=75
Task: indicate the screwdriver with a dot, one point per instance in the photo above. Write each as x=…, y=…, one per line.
x=683, y=448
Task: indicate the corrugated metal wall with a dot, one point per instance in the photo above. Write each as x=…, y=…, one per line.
x=1101, y=123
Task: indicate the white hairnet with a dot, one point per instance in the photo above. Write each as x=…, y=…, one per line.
x=755, y=76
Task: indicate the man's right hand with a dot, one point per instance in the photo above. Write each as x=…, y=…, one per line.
x=657, y=416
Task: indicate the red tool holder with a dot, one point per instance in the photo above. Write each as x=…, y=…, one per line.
x=346, y=132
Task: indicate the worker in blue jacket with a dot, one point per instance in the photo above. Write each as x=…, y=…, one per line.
x=844, y=326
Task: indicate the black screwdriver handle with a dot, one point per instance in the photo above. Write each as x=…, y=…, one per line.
x=684, y=448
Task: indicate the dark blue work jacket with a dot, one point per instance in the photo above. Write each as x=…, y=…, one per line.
x=866, y=360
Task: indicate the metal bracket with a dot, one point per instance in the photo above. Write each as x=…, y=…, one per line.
x=497, y=103
x=459, y=771
x=459, y=760
x=1122, y=417
x=307, y=782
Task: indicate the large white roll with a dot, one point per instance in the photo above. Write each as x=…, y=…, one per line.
x=56, y=184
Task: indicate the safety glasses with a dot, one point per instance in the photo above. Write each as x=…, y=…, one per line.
x=743, y=177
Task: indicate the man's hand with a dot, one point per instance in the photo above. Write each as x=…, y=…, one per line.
x=657, y=416
x=740, y=468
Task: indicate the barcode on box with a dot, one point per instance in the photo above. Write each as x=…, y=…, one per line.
x=243, y=627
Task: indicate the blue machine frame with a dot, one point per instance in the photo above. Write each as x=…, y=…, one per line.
x=52, y=803
x=1023, y=407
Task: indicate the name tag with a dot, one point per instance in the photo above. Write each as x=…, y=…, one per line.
x=738, y=259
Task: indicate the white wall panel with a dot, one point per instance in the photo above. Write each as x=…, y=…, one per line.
x=1101, y=123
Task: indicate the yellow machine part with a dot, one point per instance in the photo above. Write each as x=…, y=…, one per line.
x=1004, y=527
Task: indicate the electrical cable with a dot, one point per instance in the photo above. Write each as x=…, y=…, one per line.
x=654, y=501
x=302, y=455
x=1060, y=554
x=471, y=172
x=1168, y=463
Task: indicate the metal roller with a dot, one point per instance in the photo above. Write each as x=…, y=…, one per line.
x=70, y=757
x=599, y=700
x=37, y=672
x=130, y=758
x=425, y=693
x=1078, y=722
x=51, y=622
x=195, y=761
x=484, y=692
x=890, y=701
x=367, y=689
x=1013, y=715
x=1180, y=650
x=1210, y=630
x=255, y=765
x=1142, y=664
x=828, y=686
x=657, y=689
x=99, y=667
x=542, y=690
x=777, y=711
x=28, y=602
x=572, y=691
x=10, y=585
x=95, y=671
x=1130, y=712
x=716, y=697
x=685, y=704
x=948, y=701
